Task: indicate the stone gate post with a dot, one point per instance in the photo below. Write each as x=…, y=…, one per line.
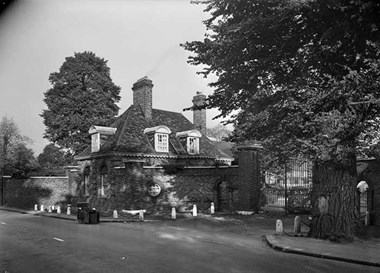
x=249, y=178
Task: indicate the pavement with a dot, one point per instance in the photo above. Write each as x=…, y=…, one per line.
x=360, y=251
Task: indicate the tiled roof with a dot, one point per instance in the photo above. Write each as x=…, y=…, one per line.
x=130, y=138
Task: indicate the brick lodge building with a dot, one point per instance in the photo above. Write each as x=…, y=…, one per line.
x=155, y=159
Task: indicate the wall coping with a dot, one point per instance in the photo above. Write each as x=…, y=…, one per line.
x=250, y=147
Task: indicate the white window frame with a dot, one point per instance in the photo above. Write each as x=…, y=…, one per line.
x=193, y=145
x=192, y=141
x=102, y=182
x=161, y=142
x=161, y=138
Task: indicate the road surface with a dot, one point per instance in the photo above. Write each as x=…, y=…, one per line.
x=42, y=244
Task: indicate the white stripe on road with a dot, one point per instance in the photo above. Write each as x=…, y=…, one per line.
x=60, y=240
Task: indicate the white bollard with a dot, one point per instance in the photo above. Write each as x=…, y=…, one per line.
x=212, y=208
x=279, y=227
x=49, y=209
x=42, y=208
x=141, y=215
x=53, y=207
x=35, y=207
x=68, y=211
x=115, y=214
x=297, y=225
x=174, y=214
x=194, y=210
x=58, y=209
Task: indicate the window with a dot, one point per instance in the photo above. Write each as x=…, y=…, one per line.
x=162, y=143
x=193, y=145
x=190, y=139
x=160, y=136
x=103, y=179
x=154, y=189
x=86, y=182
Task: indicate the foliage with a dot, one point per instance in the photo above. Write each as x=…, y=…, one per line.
x=16, y=158
x=218, y=132
x=301, y=77
x=293, y=70
x=53, y=160
x=82, y=94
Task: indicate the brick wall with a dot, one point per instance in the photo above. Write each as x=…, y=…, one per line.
x=49, y=191
x=127, y=188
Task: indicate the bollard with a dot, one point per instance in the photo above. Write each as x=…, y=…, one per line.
x=366, y=219
x=58, y=209
x=53, y=207
x=68, y=210
x=141, y=215
x=279, y=227
x=174, y=214
x=42, y=208
x=115, y=216
x=194, y=210
x=297, y=224
x=35, y=207
x=49, y=210
x=212, y=208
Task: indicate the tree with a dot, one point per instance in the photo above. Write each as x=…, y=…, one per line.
x=218, y=132
x=82, y=95
x=16, y=157
x=53, y=160
x=304, y=78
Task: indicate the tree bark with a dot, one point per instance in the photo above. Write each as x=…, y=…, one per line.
x=333, y=198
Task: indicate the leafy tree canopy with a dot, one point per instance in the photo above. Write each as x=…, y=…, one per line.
x=53, y=160
x=16, y=158
x=82, y=94
x=304, y=75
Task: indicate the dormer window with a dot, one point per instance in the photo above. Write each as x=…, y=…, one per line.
x=98, y=135
x=191, y=140
x=161, y=137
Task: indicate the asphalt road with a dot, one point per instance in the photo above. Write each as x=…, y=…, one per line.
x=41, y=244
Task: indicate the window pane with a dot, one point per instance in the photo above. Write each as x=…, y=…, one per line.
x=162, y=143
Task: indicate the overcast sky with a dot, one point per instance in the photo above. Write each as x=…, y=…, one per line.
x=137, y=37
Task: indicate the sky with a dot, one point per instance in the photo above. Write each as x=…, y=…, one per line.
x=138, y=38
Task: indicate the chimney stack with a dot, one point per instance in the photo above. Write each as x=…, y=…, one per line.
x=199, y=116
x=142, y=96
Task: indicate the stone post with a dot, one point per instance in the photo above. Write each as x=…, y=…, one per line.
x=115, y=216
x=279, y=227
x=174, y=214
x=195, y=210
x=297, y=224
x=212, y=208
x=249, y=178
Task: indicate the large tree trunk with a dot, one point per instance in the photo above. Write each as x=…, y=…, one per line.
x=333, y=199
